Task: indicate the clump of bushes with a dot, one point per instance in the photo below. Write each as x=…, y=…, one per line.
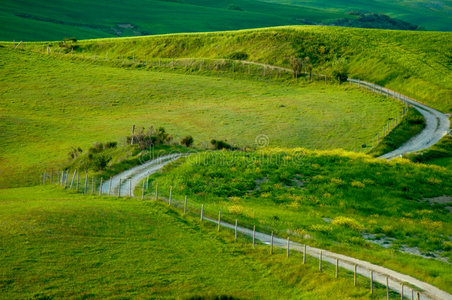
x=239, y=55
x=150, y=137
x=219, y=145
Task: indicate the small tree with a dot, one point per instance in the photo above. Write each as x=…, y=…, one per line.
x=297, y=66
x=187, y=141
x=339, y=70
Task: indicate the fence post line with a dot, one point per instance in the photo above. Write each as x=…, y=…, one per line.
x=371, y=282
x=354, y=276
x=219, y=220
x=119, y=190
x=337, y=268
x=170, y=195
x=86, y=183
x=109, y=187
x=304, y=254
x=185, y=205
x=100, y=186
x=235, y=230
x=288, y=246
x=254, y=235
x=92, y=185
x=271, y=244
x=142, y=192
x=202, y=212
x=320, y=261
x=387, y=287
x=157, y=191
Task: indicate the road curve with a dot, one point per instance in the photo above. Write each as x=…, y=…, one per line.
x=437, y=123
x=132, y=177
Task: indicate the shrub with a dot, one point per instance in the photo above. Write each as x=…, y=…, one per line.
x=239, y=55
x=97, y=148
x=347, y=222
x=110, y=145
x=219, y=145
x=100, y=162
x=187, y=141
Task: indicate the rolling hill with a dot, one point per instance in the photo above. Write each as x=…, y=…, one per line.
x=54, y=20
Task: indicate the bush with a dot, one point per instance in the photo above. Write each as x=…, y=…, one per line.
x=97, y=148
x=219, y=145
x=348, y=222
x=110, y=145
x=187, y=141
x=239, y=55
x=100, y=162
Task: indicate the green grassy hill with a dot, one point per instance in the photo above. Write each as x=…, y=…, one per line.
x=415, y=63
x=432, y=15
x=349, y=203
x=55, y=20
x=50, y=104
x=60, y=245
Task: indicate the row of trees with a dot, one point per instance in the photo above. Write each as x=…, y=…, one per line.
x=338, y=69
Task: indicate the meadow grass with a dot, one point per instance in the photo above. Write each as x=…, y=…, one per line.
x=331, y=199
x=50, y=104
x=413, y=63
x=57, y=244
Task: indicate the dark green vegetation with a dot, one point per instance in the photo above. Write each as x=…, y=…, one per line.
x=411, y=125
x=50, y=105
x=432, y=15
x=417, y=64
x=54, y=20
x=340, y=201
x=60, y=245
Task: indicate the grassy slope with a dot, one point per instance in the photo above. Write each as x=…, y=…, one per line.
x=415, y=63
x=49, y=105
x=55, y=20
x=59, y=245
x=295, y=191
x=432, y=16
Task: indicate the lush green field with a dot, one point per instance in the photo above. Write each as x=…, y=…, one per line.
x=60, y=245
x=49, y=105
x=345, y=202
x=414, y=63
x=54, y=20
x=432, y=15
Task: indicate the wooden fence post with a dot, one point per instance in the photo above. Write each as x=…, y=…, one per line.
x=93, y=187
x=142, y=191
x=202, y=212
x=371, y=282
x=288, y=245
x=354, y=276
x=100, y=186
x=185, y=205
x=157, y=191
x=119, y=190
x=235, y=230
x=418, y=296
x=86, y=184
x=337, y=268
x=304, y=254
x=271, y=244
x=51, y=176
x=412, y=294
x=109, y=187
x=320, y=261
x=387, y=287
x=254, y=235
x=130, y=187
x=401, y=292
x=78, y=178
x=219, y=220
x=65, y=181
x=170, y=195
x=72, y=181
